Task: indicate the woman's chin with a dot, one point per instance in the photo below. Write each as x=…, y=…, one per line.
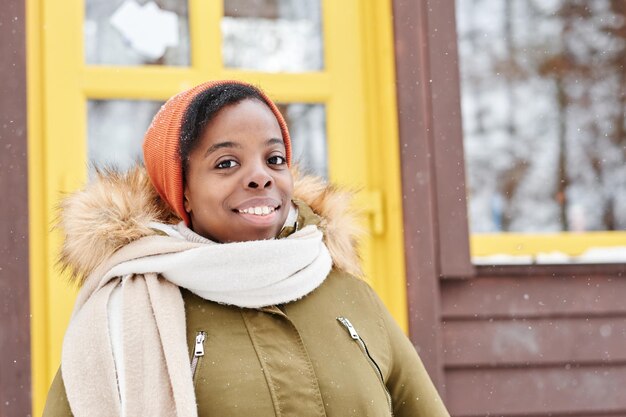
x=252, y=229
x=257, y=227
x=249, y=236
x=243, y=227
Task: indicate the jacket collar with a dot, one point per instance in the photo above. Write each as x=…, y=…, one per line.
x=117, y=208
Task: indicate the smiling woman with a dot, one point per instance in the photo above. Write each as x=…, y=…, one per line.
x=237, y=183
x=216, y=283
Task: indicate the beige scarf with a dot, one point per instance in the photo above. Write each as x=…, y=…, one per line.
x=156, y=360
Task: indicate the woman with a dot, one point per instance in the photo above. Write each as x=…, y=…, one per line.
x=215, y=283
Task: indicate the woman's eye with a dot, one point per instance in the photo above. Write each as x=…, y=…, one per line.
x=229, y=163
x=277, y=160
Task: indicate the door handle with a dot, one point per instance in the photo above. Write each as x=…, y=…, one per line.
x=371, y=202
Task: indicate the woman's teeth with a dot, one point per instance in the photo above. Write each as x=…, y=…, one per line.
x=258, y=211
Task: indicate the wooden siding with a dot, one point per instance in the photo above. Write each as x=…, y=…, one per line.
x=506, y=341
x=14, y=289
x=432, y=166
x=418, y=185
x=544, y=391
x=545, y=344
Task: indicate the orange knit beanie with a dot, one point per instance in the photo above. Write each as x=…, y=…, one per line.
x=160, y=144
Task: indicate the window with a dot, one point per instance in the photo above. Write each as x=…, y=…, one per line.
x=543, y=89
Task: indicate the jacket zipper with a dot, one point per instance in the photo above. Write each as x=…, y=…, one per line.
x=355, y=336
x=198, y=352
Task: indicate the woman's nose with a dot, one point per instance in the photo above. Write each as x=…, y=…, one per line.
x=258, y=178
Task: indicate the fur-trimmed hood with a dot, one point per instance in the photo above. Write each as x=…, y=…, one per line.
x=117, y=208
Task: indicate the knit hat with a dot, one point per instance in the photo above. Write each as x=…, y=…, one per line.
x=161, y=143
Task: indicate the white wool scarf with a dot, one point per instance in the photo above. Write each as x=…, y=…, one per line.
x=157, y=374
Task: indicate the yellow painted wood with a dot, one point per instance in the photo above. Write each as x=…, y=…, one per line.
x=64, y=128
x=149, y=83
x=206, y=38
x=526, y=244
x=309, y=87
x=371, y=202
x=52, y=113
x=160, y=83
x=356, y=86
x=383, y=161
x=345, y=109
x=36, y=216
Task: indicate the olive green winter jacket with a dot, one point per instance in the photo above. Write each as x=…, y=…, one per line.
x=336, y=352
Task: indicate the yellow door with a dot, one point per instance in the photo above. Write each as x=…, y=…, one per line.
x=74, y=85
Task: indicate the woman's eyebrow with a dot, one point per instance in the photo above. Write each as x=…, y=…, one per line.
x=220, y=145
x=274, y=141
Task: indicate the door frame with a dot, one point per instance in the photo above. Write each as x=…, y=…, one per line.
x=358, y=89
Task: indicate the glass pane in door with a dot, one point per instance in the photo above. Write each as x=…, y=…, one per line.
x=307, y=128
x=273, y=35
x=136, y=32
x=115, y=130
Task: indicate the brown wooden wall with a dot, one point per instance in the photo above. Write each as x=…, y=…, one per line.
x=506, y=341
x=550, y=341
x=14, y=294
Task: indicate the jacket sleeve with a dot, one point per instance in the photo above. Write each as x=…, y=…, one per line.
x=412, y=391
x=56, y=403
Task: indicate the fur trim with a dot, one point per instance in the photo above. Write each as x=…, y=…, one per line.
x=116, y=209
x=339, y=219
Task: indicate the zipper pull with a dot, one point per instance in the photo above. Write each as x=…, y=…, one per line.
x=346, y=323
x=199, y=350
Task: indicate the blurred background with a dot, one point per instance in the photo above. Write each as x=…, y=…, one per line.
x=487, y=139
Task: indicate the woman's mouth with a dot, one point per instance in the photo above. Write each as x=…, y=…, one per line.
x=259, y=216
x=259, y=210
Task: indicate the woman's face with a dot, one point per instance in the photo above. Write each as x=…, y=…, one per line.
x=238, y=186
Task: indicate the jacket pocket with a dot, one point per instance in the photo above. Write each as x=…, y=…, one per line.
x=363, y=347
x=198, y=352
